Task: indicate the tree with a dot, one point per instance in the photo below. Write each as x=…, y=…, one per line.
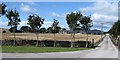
x=86, y=23
x=12, y=29
x=25, y=29
x=72, y=20
x=13, y=17
x=54, y=28
x=3, y=31
x=3, y=10
x=63, y=29
x=49, y=30
x=35, y=23
x=43, y=30
x=58, y=28
x=115, y=29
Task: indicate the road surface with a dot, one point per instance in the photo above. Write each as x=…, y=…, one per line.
x=106, y=49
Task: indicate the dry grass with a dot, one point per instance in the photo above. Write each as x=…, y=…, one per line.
x=64, y=37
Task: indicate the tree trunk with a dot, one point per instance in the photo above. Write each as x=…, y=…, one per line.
x=72, y=39
x=87, y=40
x=54, y=41
x=92, y=43
x=37, y=43
x=37, y=34
x=14, y=38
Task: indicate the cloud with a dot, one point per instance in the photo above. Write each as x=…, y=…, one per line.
x=56, y=15
x=104, y=8
x=101, y=18
x=23, y=23
x=3, y=24
x=32, y=3
x=47, y=24
x=28, y=9
x=102, y=12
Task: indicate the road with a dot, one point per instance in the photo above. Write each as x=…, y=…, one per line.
x=106, y=49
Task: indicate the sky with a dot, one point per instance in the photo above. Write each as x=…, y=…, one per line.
x=100, y=12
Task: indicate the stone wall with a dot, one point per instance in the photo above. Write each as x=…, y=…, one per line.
x=46, y=43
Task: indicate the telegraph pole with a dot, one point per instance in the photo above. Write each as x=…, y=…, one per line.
x=102, y=30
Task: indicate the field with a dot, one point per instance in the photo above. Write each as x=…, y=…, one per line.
x=32, y=49
x=63, y=37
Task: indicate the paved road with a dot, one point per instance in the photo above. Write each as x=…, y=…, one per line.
x=119, y=55
x=105, y=50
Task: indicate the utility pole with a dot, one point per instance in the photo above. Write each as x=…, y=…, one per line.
x=102, y=30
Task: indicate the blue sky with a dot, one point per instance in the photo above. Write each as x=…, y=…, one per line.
x=58, y=10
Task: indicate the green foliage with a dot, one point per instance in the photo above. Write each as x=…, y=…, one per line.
x=86, y=23
x=35, y=22
x=49, y=29
x=25, y=29
x=55, y=26
x=43, y=30
x=64, y=29
x=115, y=29
x=13, y=29
x=72, y=19
x=3, y=9
x=13, y=17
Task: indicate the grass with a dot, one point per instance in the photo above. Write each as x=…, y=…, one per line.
x=32, y=49
x=0, y=49
x=98, y=42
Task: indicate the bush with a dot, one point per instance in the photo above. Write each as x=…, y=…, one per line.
x=4, y=31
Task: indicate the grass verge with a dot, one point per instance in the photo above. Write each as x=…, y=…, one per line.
x=32, y=49
x=98, y=42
